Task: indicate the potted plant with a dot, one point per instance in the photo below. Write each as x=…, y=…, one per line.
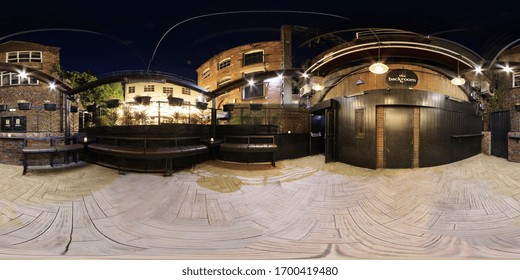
x=49, y=106
x=201, y=105
x=175, y=101
x=112, y=103
x=24, y=105
x=143, y=100
x=3, y=107
x=228, y=107
x=91, y=108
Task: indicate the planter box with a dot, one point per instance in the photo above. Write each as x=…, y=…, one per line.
x=24, y=106
x=175, y=101
x=112, y=103
x=49, y=106
x=91, y=108
x=3, y=107
x=143, y=100
x=73, y=108
x=228, y=107
x=201, y=105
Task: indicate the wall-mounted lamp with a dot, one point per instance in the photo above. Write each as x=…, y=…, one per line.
x=359, y=82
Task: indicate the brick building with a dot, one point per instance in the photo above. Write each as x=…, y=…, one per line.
x=244, y=61
x=21, y=87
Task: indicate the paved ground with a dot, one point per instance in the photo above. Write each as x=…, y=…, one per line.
x=303, y=208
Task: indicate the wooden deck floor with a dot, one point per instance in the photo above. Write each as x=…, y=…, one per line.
x=303, y=208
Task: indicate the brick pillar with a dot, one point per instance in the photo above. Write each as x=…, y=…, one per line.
x=486, y=142
x=380, y=140
x=514, y=146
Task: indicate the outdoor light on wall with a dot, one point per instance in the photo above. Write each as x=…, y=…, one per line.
x=359, y=82
x=458, y=81
x=52, y=86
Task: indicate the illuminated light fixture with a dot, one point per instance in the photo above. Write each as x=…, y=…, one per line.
x=458, y=81
x=508, y=69
x=478, y=69
x=251, y=83
x=378, y=67
x=305, y=75
x=52, y=86
x=317, y=87
x=359, y=82
x=280, y=76
x=23, y=75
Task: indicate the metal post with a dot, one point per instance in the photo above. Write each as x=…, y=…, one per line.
x=66, y=113
x=214, y=118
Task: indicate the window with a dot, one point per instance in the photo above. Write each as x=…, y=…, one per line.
x=224, y=64
x=149, y=88
x=186, y=91
x=131, y=89
x=223, y=81
x=516, y=79
x=253, y=57
x=167, y=90
x=253, y=91
x=13, y=79
x=206, y=73
x=359, y=123
x=25, y=56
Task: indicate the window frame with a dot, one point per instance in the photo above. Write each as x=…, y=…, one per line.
x=167, y=90
x=206, y=73
x=32, y=57
x=244, y=60
x=516, y=80
x=147, y=88
x=14, y=79
x=224, y=63
x=185, y=91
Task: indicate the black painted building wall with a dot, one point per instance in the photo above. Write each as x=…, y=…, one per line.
x=449, y=130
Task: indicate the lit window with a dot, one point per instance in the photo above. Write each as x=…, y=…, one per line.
x=516, y=79
x=206, y=73
x=24, y=56
x=253, y=57
x=149, y=88
x=167, y=90
x=131, y=89
x=253, y=89
x=186, y=91
x=224, y=64
x=13, y=79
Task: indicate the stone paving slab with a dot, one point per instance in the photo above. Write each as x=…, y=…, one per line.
x=303, y=208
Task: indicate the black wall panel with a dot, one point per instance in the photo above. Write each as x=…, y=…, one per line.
x=441, y=120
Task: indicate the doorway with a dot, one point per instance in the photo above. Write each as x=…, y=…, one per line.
x=398, y=137
x=500, y=125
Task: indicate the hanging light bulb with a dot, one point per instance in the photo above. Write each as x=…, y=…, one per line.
x=458, y=81
x=378, y=67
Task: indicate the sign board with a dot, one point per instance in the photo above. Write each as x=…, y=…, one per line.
x=401, y=78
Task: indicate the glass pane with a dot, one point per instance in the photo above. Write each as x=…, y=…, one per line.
x=253, y=58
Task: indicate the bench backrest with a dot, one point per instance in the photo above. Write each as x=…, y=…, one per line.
x=148, y=141
x=250, y=139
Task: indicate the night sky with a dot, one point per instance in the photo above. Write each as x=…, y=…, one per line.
x=106, y=36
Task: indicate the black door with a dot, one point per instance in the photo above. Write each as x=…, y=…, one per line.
x=500, y=125
x=398, y=137
x=317, y=143
x=330, y=135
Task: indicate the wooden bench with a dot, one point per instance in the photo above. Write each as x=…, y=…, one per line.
x=50, y=146
x=250, y=144
x=165, y=148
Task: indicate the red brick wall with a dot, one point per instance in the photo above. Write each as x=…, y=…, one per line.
x=514, y=147
x=486, y=142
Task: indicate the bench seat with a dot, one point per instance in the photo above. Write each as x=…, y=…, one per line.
x=250, y=144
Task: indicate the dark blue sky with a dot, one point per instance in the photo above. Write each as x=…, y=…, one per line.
x=113, y=36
